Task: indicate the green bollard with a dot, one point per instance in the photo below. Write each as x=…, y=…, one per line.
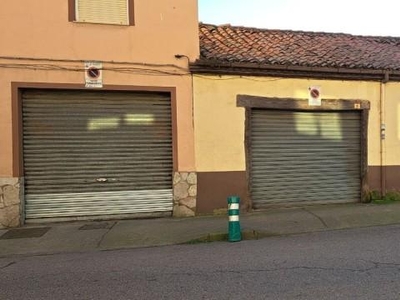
x=234, y=233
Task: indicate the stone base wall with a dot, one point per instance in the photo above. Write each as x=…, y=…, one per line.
x=185, y=193
x=10, y=203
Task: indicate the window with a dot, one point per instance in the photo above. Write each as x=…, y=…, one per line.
x=117, y=12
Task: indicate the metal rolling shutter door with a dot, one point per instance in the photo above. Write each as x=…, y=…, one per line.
x=96, y=153
x=304, y=157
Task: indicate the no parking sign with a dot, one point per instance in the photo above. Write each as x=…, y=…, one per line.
x=93, y=74
x=314, y=96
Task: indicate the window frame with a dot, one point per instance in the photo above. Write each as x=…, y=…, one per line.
x=72, y=14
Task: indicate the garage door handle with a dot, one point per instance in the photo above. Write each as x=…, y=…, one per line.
x=101, y=179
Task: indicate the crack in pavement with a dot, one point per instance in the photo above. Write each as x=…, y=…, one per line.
x=104, y=235
x=318, y=217
x=241, y=272
x=303, y=268
x=7, y=265
x=376, y=265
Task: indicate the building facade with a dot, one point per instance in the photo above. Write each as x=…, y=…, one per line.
x=260, y=133
x=91, y=95
x=122, y=108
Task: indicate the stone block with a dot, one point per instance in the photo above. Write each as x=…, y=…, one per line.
x=193, y=190
x=182, y=211
x=9, y=216
x=9, y=181
x=10, y=195
x=181, y=190
x=192, y=178
x=184, y=175
x=177, y=178
x=1, y=198
x=188, y=202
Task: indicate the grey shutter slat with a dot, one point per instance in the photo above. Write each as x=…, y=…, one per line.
x=74, y=140
x=304, y=157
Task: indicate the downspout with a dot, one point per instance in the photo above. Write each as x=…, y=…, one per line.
x=382, y=118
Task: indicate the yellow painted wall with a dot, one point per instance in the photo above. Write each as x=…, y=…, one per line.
x=219, y=123
x=392, y=122
x=40, y=29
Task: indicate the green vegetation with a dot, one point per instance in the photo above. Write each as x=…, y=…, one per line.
x=390, y=197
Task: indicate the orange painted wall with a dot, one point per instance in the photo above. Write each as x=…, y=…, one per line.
x=40, y=29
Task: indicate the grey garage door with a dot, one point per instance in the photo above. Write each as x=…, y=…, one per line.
x=304, y=157
x=92, y=153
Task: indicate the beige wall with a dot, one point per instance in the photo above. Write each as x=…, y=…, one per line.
x=392, y=122
x=40, y=29
x=219, y=123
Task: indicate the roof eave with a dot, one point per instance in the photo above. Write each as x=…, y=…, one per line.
x=207, y=66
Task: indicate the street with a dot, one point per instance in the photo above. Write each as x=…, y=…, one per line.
x=344, y=264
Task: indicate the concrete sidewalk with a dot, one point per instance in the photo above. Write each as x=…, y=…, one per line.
x=107, y=235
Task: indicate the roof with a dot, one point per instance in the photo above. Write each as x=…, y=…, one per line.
x=243, y=45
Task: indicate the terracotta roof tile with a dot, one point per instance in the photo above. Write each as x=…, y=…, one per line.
x=233, y=44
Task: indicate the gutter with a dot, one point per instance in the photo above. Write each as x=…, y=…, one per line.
x=216, y=67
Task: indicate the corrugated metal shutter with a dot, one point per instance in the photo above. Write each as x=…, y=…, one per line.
x=102, y=11
x=96, y=153
x=304, y=157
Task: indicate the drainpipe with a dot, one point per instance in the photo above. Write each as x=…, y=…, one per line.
x=382, y=118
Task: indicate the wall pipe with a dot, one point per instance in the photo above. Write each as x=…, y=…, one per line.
x=382, y=118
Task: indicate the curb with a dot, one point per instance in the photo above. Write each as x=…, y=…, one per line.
x=223, y=237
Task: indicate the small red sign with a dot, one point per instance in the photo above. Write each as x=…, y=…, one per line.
x=93, y=72
x=314, y=93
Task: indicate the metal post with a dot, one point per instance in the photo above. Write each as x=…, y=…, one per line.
x=234, y=233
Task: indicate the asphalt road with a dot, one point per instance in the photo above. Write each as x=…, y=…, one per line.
x=348, y=264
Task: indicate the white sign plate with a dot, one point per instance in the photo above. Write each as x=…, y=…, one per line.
x=314, y=96
x=93, y=74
